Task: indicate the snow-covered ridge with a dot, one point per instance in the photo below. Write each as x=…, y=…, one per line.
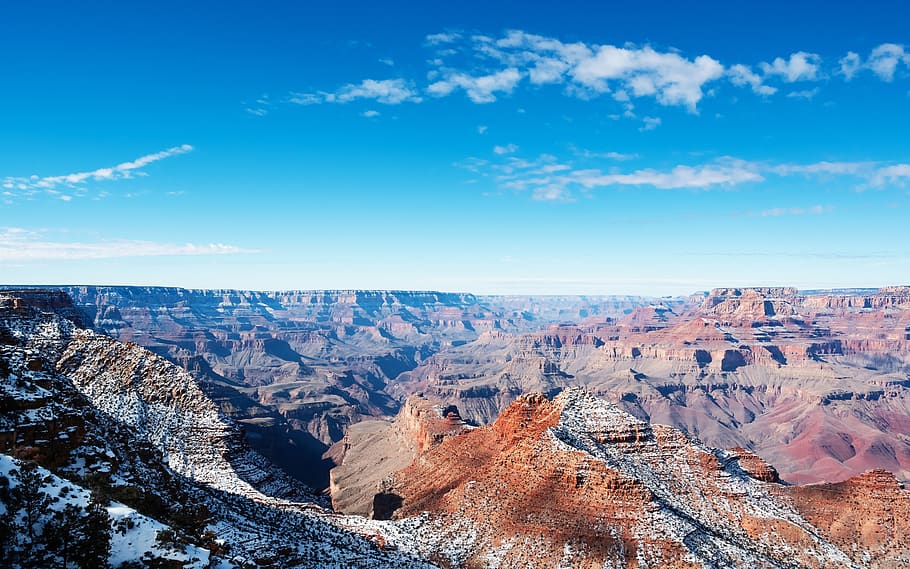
x=701, y=495
x=162, y=403
x=143, y=424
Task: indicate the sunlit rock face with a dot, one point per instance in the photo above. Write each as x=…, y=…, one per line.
x=576, y=481
x=814, y=383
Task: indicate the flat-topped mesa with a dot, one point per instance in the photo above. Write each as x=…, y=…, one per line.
x=885, y=297
x=752, y=303
x=895, y=290
x=768, y=291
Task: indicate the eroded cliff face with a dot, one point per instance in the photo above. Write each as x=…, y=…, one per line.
x=139, y=430
x=868, y=516
x=320, y=359
x=570, y=480
x=816, y=386
x=576, y=481
x=372, y=450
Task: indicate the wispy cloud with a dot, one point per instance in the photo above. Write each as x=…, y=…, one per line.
x=443, y=38
x=650, y=123
x=506, y=149
x=807, y=94
x=260, y=107
x=17, y=244
x=618, y=156
x=898, y=174
x=546, y=178
x=549, y=178
x=780, y=211
x=385, y=91
x=742, y=75
x=14, y=186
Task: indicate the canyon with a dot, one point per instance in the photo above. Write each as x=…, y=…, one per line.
x=760, y=427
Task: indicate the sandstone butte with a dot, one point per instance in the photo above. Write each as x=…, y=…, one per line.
x=575, y=481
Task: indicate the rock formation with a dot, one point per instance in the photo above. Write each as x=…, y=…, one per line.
x=138, y=430
x=373, y=450
x=575, y=481
x=297, y=368
x=814, y=384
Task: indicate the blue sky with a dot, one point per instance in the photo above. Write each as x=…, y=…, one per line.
x=654, y=148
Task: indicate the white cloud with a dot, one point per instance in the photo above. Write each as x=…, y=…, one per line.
x=260, y=107
x=806, y=94
x=490, y=67
x=589, y=69
x=824, y=168
x=742, y=75
x=618, y=156
x=801, y=66
x=546, y=177
x=669, y=77
x=507, y=149
x=370, y=114
x=77, y=180
x=387, y=61
x=17, y=244
x=480, y=89
x=482, y=129
x=386, y=91
x=444, y=37
x=850, y=64
x=884, y=59
x=680, y=177
x=779, y=211
x=306, y=98
x=897, y=174
x=650, y=123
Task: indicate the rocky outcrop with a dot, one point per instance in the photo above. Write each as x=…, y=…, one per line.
x=751, y=303
x=319, y=360
x=868, y=516
x=373, y=450
x=752, y=464
x=823, y=394
x=137, y=429
x=575, y=481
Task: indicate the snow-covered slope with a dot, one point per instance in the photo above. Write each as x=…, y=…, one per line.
x=162, y=404
x=116, y=417
x=133, y=536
